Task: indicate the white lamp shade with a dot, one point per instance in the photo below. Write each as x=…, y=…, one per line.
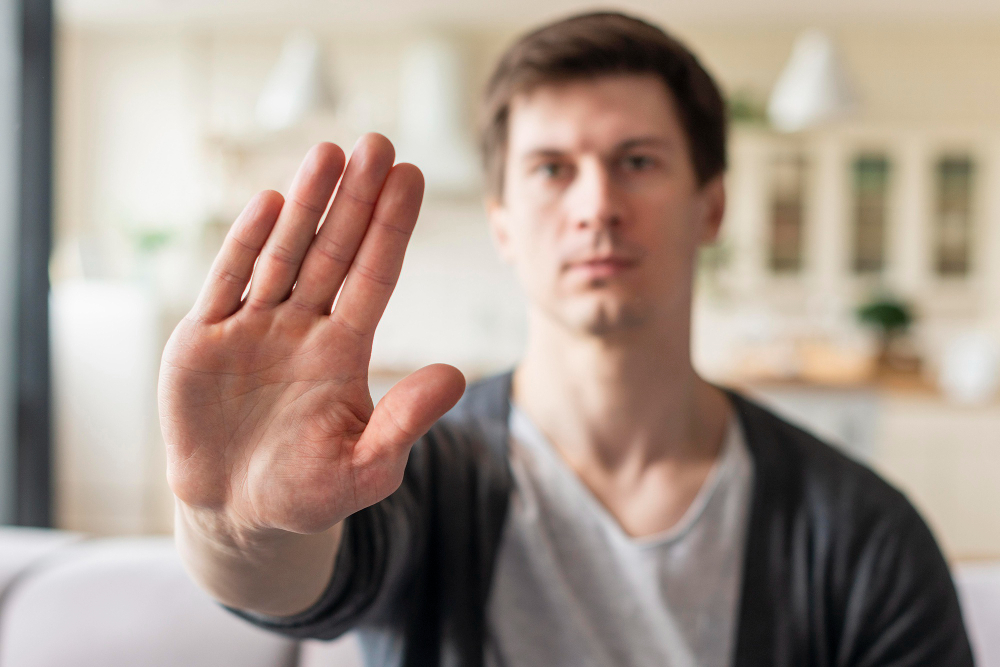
x=813, y=88
x=295, y=85
x=430, y=116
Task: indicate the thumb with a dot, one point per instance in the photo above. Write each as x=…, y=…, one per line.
x=409, y=409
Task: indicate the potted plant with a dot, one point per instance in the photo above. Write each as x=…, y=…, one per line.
x=891, y=319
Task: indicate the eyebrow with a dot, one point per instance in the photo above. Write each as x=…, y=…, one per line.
x=628, y=144
x=638, y=142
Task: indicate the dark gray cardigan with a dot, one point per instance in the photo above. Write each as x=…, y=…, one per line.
x=839, y=568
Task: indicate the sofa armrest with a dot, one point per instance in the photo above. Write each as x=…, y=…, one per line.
x=22, y=548
x=126, y=602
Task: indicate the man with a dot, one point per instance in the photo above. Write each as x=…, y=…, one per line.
x=602, y=505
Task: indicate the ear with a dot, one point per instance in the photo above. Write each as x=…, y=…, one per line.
x=499, y=221
x=713, y=195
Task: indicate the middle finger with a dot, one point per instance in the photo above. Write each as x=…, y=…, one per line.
x=305, y=204
x=333, y=250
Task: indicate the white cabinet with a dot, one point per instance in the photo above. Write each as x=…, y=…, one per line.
x=104, y=349
x=945, y=458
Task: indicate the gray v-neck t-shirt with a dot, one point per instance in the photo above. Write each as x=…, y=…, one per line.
x=572, y=588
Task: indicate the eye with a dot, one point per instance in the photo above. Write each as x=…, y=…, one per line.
x=552, y=169
x=638, y=162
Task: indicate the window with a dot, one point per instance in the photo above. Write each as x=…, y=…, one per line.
x=787, y=212
x=953, y=216
x=871, y=189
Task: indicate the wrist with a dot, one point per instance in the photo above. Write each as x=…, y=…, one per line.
x=220, y=531
x=266, y=570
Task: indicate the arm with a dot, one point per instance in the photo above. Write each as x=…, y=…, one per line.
x=272, y=438
x=275, y=572
x=902, y=608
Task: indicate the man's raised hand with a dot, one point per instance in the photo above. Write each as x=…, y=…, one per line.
x=264, y=401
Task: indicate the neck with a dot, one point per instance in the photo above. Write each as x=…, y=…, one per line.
x=630, y=398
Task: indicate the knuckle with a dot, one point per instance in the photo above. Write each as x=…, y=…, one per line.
x=302, y=304
x=374, y=276
x=356, y=197
x=404, y=432
x=348, y=326
x=256, y=303
x=316, y=209
x=282, y=254
x=332, y=250
x=389, y=227
x=228, y=276
x=243, y=243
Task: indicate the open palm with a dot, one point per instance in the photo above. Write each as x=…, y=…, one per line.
x=264, y=399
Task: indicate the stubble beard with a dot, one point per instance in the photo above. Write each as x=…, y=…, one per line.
x=607, y=319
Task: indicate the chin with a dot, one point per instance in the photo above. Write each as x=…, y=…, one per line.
x=607, y=319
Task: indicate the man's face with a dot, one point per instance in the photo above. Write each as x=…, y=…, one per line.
x=602, y=214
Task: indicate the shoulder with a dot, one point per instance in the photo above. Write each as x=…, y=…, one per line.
x=798, y=467
x=827, y=533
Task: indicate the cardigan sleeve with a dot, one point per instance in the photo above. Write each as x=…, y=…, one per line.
x=414, y=571
x=902, y=608
x=382, y=548
x=840, y=568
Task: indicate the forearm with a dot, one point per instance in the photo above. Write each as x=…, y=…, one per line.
x=277, y=573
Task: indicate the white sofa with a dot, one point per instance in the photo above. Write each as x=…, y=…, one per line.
x=979, y=590
x=67, y=600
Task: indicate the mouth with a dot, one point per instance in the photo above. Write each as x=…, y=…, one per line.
x=602, y=267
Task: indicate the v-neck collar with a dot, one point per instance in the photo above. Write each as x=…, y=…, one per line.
x=529, y=436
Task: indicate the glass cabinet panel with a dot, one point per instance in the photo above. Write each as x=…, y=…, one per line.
x=788, y=184
x=871, y=193
x=953, y=216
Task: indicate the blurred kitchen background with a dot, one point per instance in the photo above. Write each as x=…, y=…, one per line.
x=856, y=286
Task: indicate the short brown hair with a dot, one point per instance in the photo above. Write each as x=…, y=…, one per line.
x=595, y=44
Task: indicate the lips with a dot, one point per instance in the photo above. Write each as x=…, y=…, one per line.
x=602, y=267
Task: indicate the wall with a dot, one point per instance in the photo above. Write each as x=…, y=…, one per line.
x=156, y=137
x=906, y=73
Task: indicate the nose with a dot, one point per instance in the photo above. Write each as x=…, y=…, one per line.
x=592, y=200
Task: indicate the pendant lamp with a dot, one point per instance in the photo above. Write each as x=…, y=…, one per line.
x=814, y=88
